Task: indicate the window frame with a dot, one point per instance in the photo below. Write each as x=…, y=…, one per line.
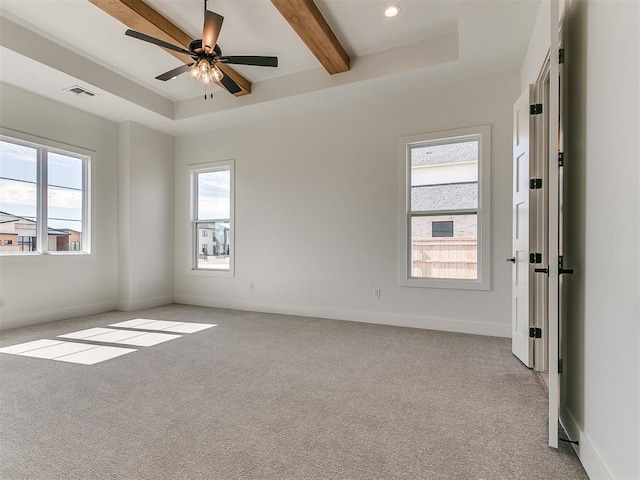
x=43, y=147
x=193, y=170
x=482, y=134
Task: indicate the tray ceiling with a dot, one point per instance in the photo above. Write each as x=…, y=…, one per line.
x=488, y=32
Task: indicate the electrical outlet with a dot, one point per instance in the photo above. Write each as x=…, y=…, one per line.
x=376, y=293
x=252, y=286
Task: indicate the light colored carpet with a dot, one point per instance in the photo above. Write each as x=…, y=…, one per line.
x=277, y=397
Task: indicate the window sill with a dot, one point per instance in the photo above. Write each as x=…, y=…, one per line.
x=36, y=255
x=200, y=272
x=453, y=284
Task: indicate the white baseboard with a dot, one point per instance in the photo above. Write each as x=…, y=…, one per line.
x=145, y=303
x=588, y=455
x=36, y=318
x=394, y=319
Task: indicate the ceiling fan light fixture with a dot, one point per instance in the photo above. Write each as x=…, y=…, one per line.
x=206, y=72
x=194, y=71
x=392, y=11
x=216, y=73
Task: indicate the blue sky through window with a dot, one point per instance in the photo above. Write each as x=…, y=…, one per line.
x=18, y=189
x=18, y=179
x=214, y=195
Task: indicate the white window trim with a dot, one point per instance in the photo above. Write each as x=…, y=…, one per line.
x=483, y=282
x=45, y=145
x=192, y=170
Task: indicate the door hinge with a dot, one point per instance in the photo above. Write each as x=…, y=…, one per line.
x=561, y=159
x=560, y=365
x=535, y=109
x=535, y=184
x=561, y=56
x=535, y=257
x=535, y=332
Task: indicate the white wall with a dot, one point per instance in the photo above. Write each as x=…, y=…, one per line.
x=538, y=46
x=44, y=288
x=601, y=350
x=146, y=247
x=316, y=210
x=601, y=387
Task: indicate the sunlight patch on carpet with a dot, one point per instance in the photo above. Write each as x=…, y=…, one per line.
x=122, y=337
x=70, y=352
x=164, y=326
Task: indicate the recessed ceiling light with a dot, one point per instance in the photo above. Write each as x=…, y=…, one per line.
x=391, y=11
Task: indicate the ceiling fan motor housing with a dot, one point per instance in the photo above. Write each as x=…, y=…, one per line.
x=195, y=47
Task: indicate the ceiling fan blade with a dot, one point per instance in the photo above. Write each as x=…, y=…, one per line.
x=230, y=85
x=251, y=60
x=156, y=41
x=174, y=73
x=211, y=30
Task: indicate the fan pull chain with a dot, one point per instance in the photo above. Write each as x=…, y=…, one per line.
x=205, y=92
x=210, y=94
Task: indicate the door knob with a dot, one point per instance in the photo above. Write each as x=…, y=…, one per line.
x=512, y=259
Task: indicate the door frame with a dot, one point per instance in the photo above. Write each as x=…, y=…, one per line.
x=554, y=227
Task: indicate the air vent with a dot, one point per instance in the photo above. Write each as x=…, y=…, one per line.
x=79, y=91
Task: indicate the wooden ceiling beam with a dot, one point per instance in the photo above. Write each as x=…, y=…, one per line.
x=139, y=16
x=307, y=21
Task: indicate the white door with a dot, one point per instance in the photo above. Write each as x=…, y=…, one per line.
x=554, y=226
x=521, y=313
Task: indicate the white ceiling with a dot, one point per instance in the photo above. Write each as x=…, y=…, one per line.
x=491, y=33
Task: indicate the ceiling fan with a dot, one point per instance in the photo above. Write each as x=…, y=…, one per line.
x=206, y=53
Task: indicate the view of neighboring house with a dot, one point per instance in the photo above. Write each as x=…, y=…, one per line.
x=444, y=202
x=19, y=234
x=213, y=245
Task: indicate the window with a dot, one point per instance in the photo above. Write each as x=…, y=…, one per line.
x=43, y=197
x=27, y=244
x=442, y=229
x=212, y=217
x=444, y=217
